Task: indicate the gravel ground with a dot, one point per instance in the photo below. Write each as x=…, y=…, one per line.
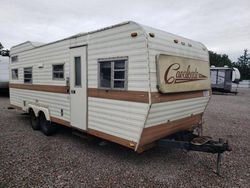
x=30, y=159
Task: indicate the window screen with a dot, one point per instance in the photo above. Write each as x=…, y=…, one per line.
x=78, y=75
x=14, y=74
x=119, y=74
x=113, y=74
x=27, y=75
x=14, y=58
x=58, y=71
x=105, y=74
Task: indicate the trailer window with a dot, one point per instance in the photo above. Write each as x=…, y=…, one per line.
x=27, y=75
x=105, y=74
x=113, y=74
x=78, y=74
x=14, y=59
x=58, y=72
x=14, y=74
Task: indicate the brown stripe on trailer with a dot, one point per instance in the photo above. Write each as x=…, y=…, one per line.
x=16, y=107
x=60, y=121
x=159, y=97
x=141, y=96
x=118, y=140
x=44, y=88
x=132, y=96
x=151, y=134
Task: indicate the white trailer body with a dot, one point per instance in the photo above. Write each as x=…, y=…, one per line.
x=107, y=83
x=222, y=78
x=4, y=73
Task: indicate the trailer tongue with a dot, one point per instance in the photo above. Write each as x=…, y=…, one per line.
x=192, y=142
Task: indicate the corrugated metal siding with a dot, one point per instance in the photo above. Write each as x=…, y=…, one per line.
x=57, y=53
x=54, y=101
x=118, y=42
x=105, y=44
x=118, y=118
x=168, y=111
x=4, y=69
x=163, y=43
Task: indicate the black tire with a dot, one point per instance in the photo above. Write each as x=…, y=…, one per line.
x=47, y=127
x=34, y=121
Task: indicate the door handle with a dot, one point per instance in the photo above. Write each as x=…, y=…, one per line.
x=72, y=91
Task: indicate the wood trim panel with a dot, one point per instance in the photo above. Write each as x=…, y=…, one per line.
x=60, y=121
x=141, y=96
x=16, y=107
x=157, y=132
x=45, y=88
x=118, y=140
x=158, y=97
x=132, y=96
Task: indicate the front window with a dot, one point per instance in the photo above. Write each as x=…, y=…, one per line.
x=58, y=72
x=113, y=73
x=14, y=59
x=14, y=74
x=27, y=75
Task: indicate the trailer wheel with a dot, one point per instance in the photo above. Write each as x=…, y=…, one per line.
x=47, y=127
x=34, y=122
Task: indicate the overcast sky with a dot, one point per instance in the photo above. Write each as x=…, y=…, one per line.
x=222, y=25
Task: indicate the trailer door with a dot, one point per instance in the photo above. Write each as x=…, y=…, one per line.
x=78, y=87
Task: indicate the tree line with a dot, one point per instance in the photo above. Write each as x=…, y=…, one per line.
x=243, y=62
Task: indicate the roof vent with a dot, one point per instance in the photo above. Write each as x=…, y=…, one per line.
x=152, y=35
x=134, y=34
x=176, y=41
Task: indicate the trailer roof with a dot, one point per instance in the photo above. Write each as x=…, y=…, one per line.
x=73, y=36
x=34, y=45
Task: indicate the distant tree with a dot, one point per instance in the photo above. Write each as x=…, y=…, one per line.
x=1, y=46
x=4, y=52
x=243, y=64
x=244, y=60
x=219, y=60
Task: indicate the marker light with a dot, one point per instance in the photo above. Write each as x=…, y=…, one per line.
x=134, y=34
x=152, y=35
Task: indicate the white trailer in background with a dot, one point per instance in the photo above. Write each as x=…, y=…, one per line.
x=4, y=73
x=128, y=83
x=222, y=79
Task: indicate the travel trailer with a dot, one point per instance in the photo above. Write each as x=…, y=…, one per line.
x=128, y=83
x=4, y=74
x=222, y=79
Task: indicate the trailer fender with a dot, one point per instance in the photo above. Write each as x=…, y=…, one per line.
x=38, y=109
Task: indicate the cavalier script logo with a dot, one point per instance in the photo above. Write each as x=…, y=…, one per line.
x=174, y=75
